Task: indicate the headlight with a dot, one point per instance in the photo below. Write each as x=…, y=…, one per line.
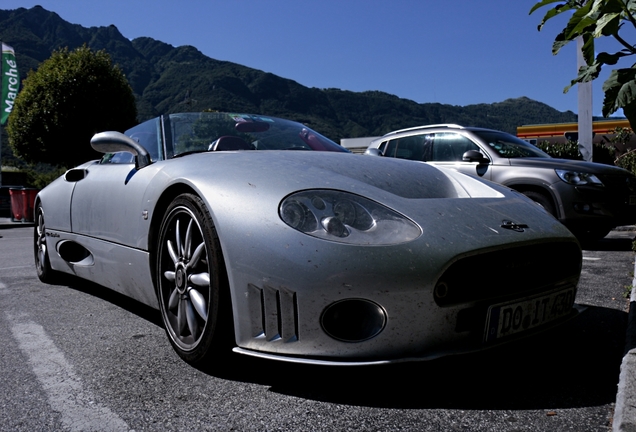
x=578, y=178
x=346, y=218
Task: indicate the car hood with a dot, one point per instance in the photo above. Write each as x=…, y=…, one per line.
x=568, y=164
x=287, y=171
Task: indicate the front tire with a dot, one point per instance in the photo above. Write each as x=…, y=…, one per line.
x=542, y=200
x=190, y=279
x=40, y=250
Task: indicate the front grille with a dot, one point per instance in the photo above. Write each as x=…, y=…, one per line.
x=618, y=187
x=508, y=272
x=273, y=313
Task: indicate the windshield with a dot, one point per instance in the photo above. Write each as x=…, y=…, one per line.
x=186, y=133
x=509, y=146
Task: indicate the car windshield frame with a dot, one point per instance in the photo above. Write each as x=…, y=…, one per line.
x=509, y=146
x=180, y=134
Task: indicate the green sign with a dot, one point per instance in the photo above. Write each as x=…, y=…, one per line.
x=10, y=82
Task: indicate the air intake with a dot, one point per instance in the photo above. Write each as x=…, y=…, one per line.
x=273, y=313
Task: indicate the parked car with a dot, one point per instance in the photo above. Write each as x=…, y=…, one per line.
x=589, y=198
x=305, y=256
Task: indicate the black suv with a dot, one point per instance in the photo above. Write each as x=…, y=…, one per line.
x=589, y=198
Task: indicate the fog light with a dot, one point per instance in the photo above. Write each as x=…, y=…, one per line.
x=353, y=320
x=441, y=290
x=582, y=207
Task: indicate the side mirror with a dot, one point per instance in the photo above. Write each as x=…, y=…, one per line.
x=373, y=152
x=113, y=142
x=475, y=156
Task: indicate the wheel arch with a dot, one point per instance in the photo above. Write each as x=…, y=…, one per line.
x=36, y=203
x=164, y=201
x=157, y=216
x=546, y=192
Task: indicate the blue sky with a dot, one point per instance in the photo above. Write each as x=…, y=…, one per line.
x=460, y=52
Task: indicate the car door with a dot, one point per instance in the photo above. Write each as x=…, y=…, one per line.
x=448, y=150
x=108, y=202
x=105, y=203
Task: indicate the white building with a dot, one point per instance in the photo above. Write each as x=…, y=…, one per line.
x=356, y=145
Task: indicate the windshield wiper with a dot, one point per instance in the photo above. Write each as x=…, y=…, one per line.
x=189, y=152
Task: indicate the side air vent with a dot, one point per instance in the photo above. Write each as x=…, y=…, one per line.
x=74, y=253
x=75, y=175
x=273, y=313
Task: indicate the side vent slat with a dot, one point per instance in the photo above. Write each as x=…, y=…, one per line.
x=257, y=312
x=288, y=315
x=272, y=327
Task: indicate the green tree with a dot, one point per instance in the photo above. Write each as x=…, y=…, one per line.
x=71, y=96
x=591, y=20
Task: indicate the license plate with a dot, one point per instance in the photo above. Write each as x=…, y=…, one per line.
x=506, y=319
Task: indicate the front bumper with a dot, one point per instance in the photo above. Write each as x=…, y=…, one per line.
x=609, y=206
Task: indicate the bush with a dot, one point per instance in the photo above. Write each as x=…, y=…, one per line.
x=601, y=153
x=627, y=161
x=567, y=150
x=40, y=176
x=71, y=96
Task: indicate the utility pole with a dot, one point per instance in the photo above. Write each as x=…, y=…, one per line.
x=585, y=107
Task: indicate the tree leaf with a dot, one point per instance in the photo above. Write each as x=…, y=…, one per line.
x=586, y=74
x=541, y=4
x=620, y=90
x=559, y=9
x=607, y=25
x=610, y=59
x=588, y=49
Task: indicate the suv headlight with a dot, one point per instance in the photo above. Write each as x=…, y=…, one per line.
x=578, y=178
x=346, y=218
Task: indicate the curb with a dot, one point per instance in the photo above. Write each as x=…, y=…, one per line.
x=625, y=409
x=8, y=223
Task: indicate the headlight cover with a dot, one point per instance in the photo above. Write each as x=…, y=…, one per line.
x=346, y=218
x=578, y=178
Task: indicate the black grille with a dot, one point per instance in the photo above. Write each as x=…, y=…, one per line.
x=619, y=187
x=507, y=272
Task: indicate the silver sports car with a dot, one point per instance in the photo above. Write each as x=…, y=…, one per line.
x=307, y=256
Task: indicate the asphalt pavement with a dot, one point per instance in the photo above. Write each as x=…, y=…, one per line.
x=625, y=411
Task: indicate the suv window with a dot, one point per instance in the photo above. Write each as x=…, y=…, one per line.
x=450, y=147
x=439, y=147
x=509, y=146
x=414, y=147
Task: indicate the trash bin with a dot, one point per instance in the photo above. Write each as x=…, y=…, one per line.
x=22, y=202
x=17, y=204
x=28, y=195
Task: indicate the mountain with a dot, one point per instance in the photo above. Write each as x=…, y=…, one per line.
x=169, y=79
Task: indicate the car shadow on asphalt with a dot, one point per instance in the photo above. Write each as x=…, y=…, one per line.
x=611, y=243
x=576, y=365
x=131, y=305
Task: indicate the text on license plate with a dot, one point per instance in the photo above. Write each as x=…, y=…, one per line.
x=506, y=319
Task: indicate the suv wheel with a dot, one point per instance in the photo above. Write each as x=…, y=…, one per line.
x=542, y=200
